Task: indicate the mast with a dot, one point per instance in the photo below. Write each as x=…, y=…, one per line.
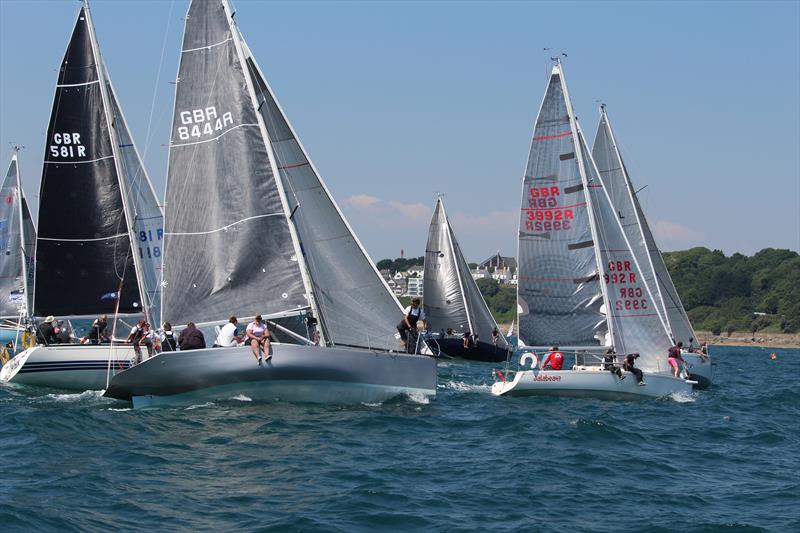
x=23, y=256
x=307, y=283
x=104, y=84
x=455, y=264
x=582, y=170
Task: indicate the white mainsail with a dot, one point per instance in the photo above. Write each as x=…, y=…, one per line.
x=606, y=154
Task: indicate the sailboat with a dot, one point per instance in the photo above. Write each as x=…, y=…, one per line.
x=580, y=286
x=252, y=229
x=453, y=301
x=616, y=178
x=96, y=201
x=17, y=242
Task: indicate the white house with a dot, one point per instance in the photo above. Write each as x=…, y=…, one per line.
x=414, y=286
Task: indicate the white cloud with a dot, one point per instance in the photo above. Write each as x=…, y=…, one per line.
x=414, y=212
x=363, y=200
x=676, y=235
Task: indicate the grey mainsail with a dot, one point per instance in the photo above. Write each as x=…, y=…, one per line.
x=355, y=306
x=84, y=260
x=144, y=214
x=635, y=324
x=452, y=298
x=559, y=293
x=17, y=241
x=620, y=188
x=228, y=249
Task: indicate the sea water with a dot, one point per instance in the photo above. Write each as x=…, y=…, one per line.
x=725, y=459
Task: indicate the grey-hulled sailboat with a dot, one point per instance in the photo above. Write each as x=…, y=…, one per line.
x=616, y=178
x=453, y=302
x=96, y=201
x=251, y=229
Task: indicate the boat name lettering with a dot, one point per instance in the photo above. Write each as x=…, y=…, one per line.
x=544, y=377
x=67, y=145
x=199, y=122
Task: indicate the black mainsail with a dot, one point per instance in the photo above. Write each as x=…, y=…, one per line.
x=17, y=242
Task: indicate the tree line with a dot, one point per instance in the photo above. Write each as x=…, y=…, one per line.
x=721, y=294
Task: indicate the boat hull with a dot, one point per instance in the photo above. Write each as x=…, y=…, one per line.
x=701, y=369
x=482, y=352
x=71, y=367
x=295, y=373
x=590, y=383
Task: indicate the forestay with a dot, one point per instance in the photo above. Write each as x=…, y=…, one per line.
x=558, y=277
x=228, y=249
x=84, y=261
x=452, y=298
x=17, y=241
x=356, y=307
x=617, y=180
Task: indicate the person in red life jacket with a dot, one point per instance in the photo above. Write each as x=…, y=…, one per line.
x=555, y=360
x=673, y=356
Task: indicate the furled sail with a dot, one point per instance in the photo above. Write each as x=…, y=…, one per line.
x=452, y=298
x=17, y=241
x=355, y=305
x=228, y=248
x=559, y=294
x=84, y=261
x=635, y=323
x=615, y=176
x=144, y=214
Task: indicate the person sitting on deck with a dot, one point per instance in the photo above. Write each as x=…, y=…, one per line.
x=45, y=332
x=673, y=356
x=608, y=363
x=555, y=360
x=703, y=353
x=61, y=332
x=168, y=342
x=627, y=365
x=495, y=336
x=258, y=337
x=97, y=333
x=467, y=338
x=191, y=338
x=227, y=335
x=140, y=334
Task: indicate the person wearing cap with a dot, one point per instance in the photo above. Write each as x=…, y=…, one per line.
x=45, y=332
x=258, y=338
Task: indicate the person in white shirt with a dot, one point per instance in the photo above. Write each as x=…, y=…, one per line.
x=411, y=316
x=227, y=335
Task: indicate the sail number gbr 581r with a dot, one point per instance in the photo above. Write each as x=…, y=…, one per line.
x=67, y=145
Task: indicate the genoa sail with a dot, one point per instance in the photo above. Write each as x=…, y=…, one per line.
x=452, y=298
x=613, y=171
x=560, y=298
x=228, y=249
x=355, y=305
x=17, y=242
x=84, y=261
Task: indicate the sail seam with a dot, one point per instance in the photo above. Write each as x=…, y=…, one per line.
x=208, y=46
x=545, y=137
x=78, y=162
x=77, y=84
x=223, y=228
x=214, y=138
x=83, y=240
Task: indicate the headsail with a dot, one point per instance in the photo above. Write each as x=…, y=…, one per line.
x=17, y=241
x=228, y=248
x=84, y=261
x=452, y=298
x=618, y=183
x=558, y=276
x=355, y=305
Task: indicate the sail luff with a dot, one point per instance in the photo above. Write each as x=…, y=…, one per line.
x=22, y=206
x=582, y=170
x=240, y=44
x=112, y=130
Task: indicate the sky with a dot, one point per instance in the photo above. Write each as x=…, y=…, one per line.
x=398, y=101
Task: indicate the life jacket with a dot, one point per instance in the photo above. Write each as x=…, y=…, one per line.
x=169, y=344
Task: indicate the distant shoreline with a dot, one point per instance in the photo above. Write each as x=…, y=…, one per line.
x=757, y=339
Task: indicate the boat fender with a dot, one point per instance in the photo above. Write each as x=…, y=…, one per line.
x=529, y=356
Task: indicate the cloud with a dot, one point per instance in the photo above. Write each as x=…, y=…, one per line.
x=390, y=208
x=411, y=211
x=363, y=200
x=676, y=234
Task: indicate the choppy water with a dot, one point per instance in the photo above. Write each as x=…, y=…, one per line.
x=719, y=460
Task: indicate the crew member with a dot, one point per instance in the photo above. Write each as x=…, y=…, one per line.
x=673, y=356
x=627, y=365
x=555, y=360
x=408, y=327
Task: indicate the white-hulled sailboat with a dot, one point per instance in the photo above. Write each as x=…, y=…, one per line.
x=96, y=200
x=579, y=284
x=617, y=181
x=252, y=229
x=17, y=243
x=453, y=301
